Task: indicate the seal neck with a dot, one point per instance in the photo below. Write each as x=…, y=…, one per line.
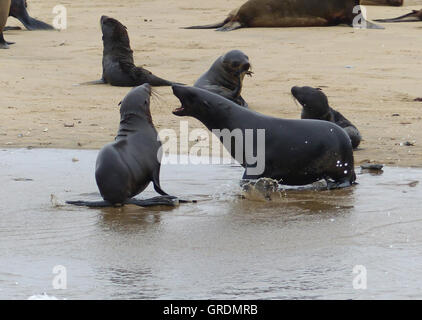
x=131, y=123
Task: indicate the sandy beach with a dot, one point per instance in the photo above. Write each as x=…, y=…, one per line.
x=371, y=76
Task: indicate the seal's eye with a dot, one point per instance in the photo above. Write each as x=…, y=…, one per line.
x=145, y=102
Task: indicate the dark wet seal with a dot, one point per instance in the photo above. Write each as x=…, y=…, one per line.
x=315, y=106
x=418, y=99
x=293, y=152
x=18, y=10
x=118, y=64
x=290, y=13
x=225, y=77
x=4, y=13
x=127, y=166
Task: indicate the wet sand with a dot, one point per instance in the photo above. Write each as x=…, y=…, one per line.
x=368, y=75
x=301, y=245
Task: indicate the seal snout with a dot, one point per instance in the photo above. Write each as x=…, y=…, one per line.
x=178, y=92
x=295, y=91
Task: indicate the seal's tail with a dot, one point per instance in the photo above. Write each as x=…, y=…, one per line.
x=410, y=17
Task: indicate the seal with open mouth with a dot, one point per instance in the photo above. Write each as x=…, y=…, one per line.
x=293, y=152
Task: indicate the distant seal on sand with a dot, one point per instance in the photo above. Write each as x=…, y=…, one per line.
x=315, y=106
x=290, y=13
x=414, y=16
x=125, y=167
x=396, y=3
x=226, y=75
x=293, y=152
x=4, y=13
x=18, y=11
x=118, y=64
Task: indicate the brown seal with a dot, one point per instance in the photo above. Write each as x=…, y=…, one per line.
x=4, y=13
x=225, y=77
x=292, y=13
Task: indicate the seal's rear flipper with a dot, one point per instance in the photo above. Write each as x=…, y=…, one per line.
x=410, y=17
x=91, y=204
x=230, y=26
x=208, y=26
x=101, y=81
x=367, y=25
x=12, y=28
x=156, y=201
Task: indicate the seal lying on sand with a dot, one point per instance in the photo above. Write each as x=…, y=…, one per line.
x=291, y=13
x=226, y=75
x=293, y=152
x=396, y=3
x=4, y=13
x=118, y=64
x=315, y=106
x=414, y=16
x=18, y=11
x=125, y=167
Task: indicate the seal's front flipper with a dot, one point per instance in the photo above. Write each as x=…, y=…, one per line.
x=156, y=182
x=156, y=201
x=3, y=43
x=91, y=204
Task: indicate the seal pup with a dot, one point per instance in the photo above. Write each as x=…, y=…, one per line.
x=293, y=152
x=291, y=13
x=18, y=10
x=414, y=16
x=315, y=106
x=395, y=3
x=118, y=64
x=225, y=77
x=126, y=167
x=4, y=13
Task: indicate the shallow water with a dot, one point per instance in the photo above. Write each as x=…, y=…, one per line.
x=303, y=244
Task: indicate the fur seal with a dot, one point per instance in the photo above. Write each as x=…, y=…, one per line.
x=414, y=16
x=125, y=167
x=395, y=3
x=18, y=10
x=294, y=152
x=290, y=13
x=118, y=64
x=315, y=106
x=4, y=13
x=226, y=75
